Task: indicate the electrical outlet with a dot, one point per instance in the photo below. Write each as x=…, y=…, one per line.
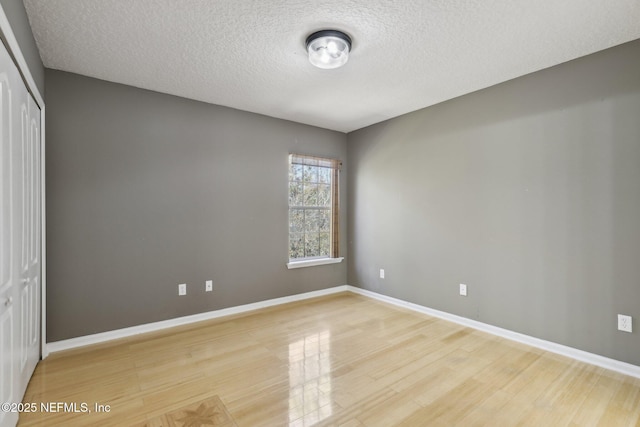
x=182, y=289
x=463, y=289
x=382, y=273
x=208, y=285
x=624, y=323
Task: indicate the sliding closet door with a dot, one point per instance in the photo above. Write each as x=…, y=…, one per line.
x=30, y=267
x=20, y=236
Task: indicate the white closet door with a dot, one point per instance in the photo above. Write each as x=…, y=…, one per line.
x=8, y=366
x=20, y=236
x=30, y=280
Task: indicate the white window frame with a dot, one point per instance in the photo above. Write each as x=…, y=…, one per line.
x=334, y=166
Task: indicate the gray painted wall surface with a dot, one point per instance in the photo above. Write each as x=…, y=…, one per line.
x=17, y=16
x=528, y=192
x=146, y=191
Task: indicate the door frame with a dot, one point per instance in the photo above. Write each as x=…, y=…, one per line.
x=14, y=49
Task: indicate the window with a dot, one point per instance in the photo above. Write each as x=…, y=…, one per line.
x=313, y=210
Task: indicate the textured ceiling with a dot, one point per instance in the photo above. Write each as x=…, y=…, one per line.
x=250, y=54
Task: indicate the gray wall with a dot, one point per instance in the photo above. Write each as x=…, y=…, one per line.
x=528, y=192
x=17, y=16
x=146, y=191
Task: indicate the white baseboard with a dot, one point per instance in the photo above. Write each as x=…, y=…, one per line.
x=52, y=347
x=583, y=356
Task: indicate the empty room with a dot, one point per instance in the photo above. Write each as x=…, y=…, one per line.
x=337, y=213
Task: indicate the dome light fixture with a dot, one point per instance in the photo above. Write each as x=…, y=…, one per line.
x=328, y=48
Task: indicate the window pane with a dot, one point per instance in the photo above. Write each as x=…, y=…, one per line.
x=324, y=175
x=312, y=245
x=295, y=194
x=310, y=174
x=295, y=173
x=311, y=221
x=324, y=220
x=310, y=194
x=325, y=242
x=324, y=195
x=296, y=245
x=296, y=220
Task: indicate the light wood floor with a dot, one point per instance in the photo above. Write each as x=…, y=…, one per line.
x=339, y=360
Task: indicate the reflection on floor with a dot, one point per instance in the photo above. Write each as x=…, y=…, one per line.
x=342, y=360
x=310, y=379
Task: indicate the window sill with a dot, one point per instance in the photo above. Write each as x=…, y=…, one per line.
x=312, y=262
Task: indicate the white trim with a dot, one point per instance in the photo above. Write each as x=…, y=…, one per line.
x=43, y=241
x=574, y=353
x=165, y=324
x=14, y=48
x=312, y=262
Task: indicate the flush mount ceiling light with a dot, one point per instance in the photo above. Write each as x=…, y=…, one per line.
x=328, y=48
